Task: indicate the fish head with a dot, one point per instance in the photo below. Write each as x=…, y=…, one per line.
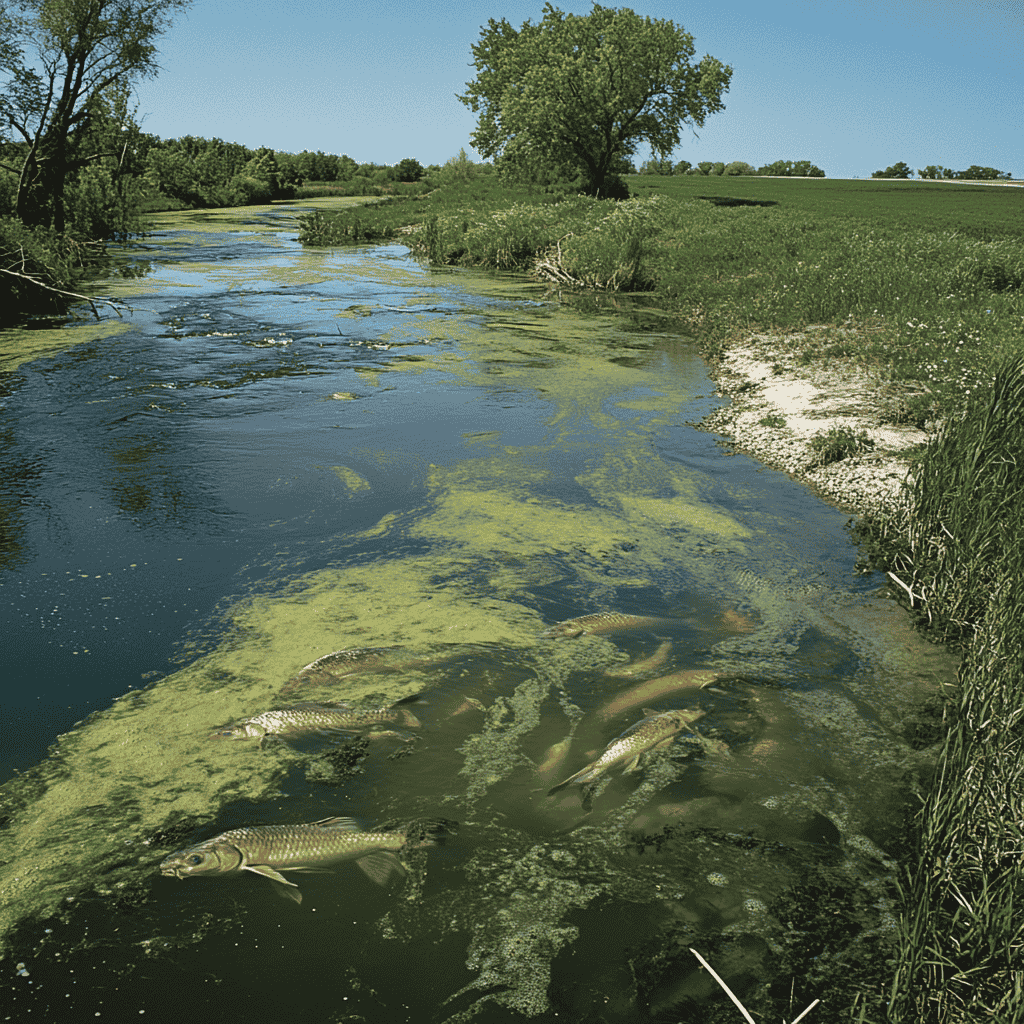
x=239, y=731
x=682, y=718
x=210, y=858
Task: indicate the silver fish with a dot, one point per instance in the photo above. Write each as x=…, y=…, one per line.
x=269, y=849
x=603, y=622
x=339, y=664
x=309, y=717
x=656, y=730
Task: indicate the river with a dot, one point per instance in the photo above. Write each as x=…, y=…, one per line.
x=281, y=453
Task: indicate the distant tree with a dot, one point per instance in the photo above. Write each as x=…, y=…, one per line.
x=694, y=170
x=59, y=57
x=577, y=92
x=706, y=166
x=805, y=169
x=900, y=170
x=410, y=170
x=656, y=166
x=682, y=167
x=717, y=168
x=976, y=173
x=932, y=171
x=347, y=168
x=739, y=167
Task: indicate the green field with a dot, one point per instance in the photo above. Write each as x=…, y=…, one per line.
x=985, y=212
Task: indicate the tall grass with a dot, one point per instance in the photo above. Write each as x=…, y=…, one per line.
x=957, y=553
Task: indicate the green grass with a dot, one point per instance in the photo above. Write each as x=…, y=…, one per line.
x=977, y=211
x=957, y=556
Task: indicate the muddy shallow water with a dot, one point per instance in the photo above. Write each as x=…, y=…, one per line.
x=283, y=453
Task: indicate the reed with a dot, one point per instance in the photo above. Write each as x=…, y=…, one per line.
x=956, y=552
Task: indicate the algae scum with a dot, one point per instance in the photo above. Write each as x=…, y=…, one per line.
x=294, y=452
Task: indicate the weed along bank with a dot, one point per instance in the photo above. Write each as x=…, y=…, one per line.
x=396, y=568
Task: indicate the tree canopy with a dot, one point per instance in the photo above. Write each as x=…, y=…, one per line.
x=580, y=93
x=59, y=61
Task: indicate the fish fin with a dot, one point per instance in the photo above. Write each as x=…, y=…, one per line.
x=584, y=775
x=416, y=698
x=421, y=832
x=288, y=891
x=409, y=719
x=345, y=824
x=632, y=766
x=267, y=872
x=380, y=867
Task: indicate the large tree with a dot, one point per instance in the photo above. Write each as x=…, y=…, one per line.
x=61, y=58
x=580, y=93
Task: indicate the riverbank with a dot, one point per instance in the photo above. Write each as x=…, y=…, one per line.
x=828, y=425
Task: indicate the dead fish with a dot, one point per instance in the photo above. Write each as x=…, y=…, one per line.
x=604, y=622
x=339, y=664
x=641, y=668
x=270, y=849
x=656, y=730
x=655, y=689
x=309, y=717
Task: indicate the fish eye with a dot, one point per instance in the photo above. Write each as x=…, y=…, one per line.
x=195, y=859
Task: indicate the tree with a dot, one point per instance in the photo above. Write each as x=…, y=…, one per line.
x=578, y=92
x=60, y=58
x=900, y=170
x=410, y=170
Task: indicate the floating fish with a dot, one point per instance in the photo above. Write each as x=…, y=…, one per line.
x=605, y=622
x=657, y=729
x=642, y=667
x=655, y=689
x=270, y=849
x=309, y=717
x=339, y=664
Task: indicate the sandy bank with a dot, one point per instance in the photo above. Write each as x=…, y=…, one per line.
x=764, y=382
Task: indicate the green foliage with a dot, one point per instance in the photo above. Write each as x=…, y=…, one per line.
x=772, y=420
x=657, y=166
x=899, y=170
x=31, y=258
x=739, y=167
x=837, y=443
x=791, y=169
x=61, y=59
x=573, y=93
x=410, y=170
x=683, y=167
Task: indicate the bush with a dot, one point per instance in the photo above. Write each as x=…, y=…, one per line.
x=247, y=191
x=739, y=167
x=410, y=170
x=837, y=443
x=31, y=258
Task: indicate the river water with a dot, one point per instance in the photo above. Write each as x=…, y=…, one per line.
x=281, y=453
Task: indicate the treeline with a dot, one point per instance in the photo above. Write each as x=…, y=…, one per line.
x=935, y=172
x=198, y=172
x=778, y=169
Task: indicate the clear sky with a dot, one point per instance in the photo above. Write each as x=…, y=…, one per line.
x=851, y=85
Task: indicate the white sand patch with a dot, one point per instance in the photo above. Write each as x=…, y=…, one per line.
x=812, y=400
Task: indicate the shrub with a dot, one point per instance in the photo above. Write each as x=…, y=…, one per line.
x=900, y=170
x=739, y=167
x=410, y=170
x=837, y=443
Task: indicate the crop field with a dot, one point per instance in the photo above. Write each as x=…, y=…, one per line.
x=985, y=212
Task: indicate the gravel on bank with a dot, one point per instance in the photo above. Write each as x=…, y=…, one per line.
x=765, y=383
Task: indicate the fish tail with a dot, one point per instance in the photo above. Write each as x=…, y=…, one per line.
x=407, y=717
x=422, y=831
x=582, y=777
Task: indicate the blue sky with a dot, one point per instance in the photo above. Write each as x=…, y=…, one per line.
x=852, y=85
